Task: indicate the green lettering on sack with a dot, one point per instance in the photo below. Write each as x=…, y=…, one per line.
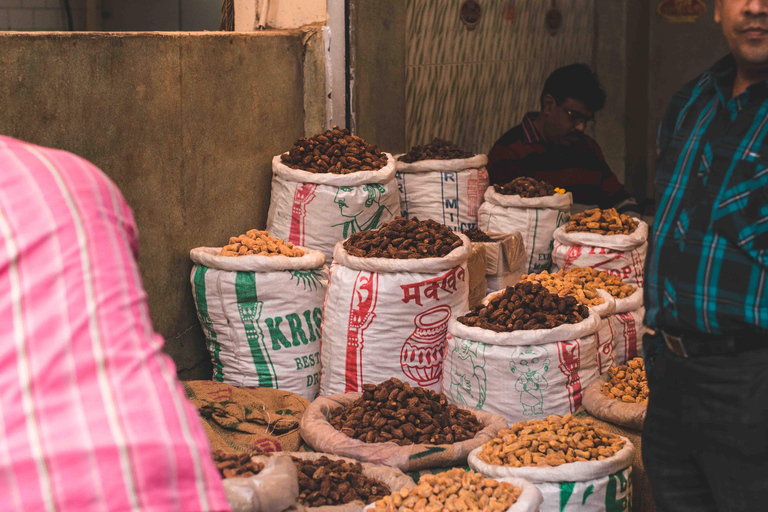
x=273, y=324
x=566, y=490
x=297, y=333
x=308, y=318
x=317, y=314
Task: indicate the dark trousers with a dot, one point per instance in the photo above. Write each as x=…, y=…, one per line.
x=705, y=439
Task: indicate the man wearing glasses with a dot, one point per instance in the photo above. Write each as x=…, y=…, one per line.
x=551, y=146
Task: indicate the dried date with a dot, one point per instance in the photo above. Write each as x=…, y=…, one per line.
x=334, y=151
x=525, y=187
x=404, y=239
x=325, y=482
x=438, y=149
x=476, y=235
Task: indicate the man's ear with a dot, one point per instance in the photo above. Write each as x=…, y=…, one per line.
x=717, y=11
x=547, y=103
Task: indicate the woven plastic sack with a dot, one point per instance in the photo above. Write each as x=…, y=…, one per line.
x=388, y=318
x=628, y=327
x=611, y=410
x=447, y=191
x=594, y=486
x=536, y=219
x=317, y=210
x=275, y=488
x=261, y=316
x=323, y=437
x=618, y=255
x=521, y=375
x=392, y=477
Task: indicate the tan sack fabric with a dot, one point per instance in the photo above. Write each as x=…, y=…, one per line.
x=247, y=420
x=320, y=434
x=393, y=477
x=611, y=410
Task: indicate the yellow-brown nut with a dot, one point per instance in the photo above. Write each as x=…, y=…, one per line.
x=582, y=283
x=259, y=243
x=602, y=222
x=627, y=383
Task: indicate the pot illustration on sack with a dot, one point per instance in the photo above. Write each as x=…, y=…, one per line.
x=532, y=363
x=468, y=377
x=360, y=217
x=304, y=194
x=421, y=357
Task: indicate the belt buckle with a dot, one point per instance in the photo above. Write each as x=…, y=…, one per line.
x=675, y=344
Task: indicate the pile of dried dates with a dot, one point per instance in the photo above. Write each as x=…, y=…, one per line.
x=395, y=411
x=476, y=235
x=334, y=151
x=324, y=482
x=438, y=149
x=525, y=187
x=525, y=306
x=404, y=239
x=236, y=464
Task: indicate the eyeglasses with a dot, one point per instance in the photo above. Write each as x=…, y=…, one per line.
x=578, y=117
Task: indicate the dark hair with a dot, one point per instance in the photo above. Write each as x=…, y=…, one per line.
x=576, y=81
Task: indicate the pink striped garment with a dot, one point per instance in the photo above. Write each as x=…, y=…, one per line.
x=92, y=416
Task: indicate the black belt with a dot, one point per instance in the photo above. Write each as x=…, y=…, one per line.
x=693, y=344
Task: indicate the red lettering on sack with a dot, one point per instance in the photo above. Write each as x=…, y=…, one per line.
x=448, y=282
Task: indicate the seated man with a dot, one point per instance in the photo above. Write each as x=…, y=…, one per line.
x=551, y=145
x=91, y=414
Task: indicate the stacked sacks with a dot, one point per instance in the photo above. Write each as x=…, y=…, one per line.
x=532, y=208
x=392, y=293
x=441, y=182
x=541, y=342
x=261, y=311
x=328, y=187
x=604, y=240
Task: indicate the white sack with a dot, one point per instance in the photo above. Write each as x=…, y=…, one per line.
x=523, y=374
x=261, y=316
x=275, y=488
x=389, y=318
x=618, y=255
x=317, y=210
x=595, y=486
x=628, y=334
x=536, y=219
x=606, y=350
x=447, y=191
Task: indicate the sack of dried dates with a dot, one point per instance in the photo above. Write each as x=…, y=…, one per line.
x=620, y=396
x=328, y=483
x=543, y=344
x=328, y=187
x=605, y=240
x=441, y=182
x=397, y=425
x=596, y=290
x=457, y=489
x=534, y=214
x=274, y=487
x=628, y=327
x=576, y=465
x=262, y=314
x=392, y=293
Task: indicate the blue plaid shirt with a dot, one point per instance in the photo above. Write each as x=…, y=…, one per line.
x=707, y=255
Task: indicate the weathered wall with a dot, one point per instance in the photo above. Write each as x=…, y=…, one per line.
x=185, y=124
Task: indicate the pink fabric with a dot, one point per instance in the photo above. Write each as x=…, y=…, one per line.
x=92, y=416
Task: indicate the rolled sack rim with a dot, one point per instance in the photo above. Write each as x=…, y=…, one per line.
x=614, y=242
x=209, y=257
x=453, y=259
x=580, y=471
x=435, y=165
x=557, y=201
x=381, y=176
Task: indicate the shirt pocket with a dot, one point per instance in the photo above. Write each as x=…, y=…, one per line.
x=740, y=213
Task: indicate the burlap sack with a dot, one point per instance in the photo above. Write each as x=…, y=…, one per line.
x=611, y=410
x=247, y=420
x=320, y=434
x=506, y=253
x=476, y=269
x=393, y=477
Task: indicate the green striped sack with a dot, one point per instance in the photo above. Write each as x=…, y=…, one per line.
x=261, y=316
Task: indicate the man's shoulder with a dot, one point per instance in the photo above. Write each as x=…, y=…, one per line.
x=514, y=134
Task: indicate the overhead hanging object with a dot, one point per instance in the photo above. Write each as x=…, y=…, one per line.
x=470, y=14
x=681, y=11
x=553, y=20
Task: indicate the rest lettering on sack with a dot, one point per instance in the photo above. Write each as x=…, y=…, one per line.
x=302, y=329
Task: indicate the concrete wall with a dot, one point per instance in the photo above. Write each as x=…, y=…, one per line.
x=185, y=124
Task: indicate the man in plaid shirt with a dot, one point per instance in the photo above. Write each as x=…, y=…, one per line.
x=705, y=440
